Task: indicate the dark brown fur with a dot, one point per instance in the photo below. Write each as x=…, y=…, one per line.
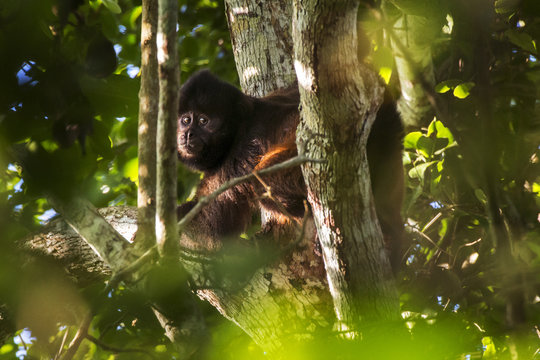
x=254, y=133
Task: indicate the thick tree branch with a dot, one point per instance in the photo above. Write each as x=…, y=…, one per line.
x=83, y=217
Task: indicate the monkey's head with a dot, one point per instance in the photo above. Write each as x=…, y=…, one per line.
x=210, y=117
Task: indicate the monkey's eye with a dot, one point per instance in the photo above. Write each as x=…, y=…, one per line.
x=203, y=120
x=186, y=120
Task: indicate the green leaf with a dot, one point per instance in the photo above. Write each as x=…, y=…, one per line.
x=160, y=348
x=385, y=73
x=6, y=349
x=521, y=39
x=463, y=90
x=131, y=170
x=112, y=5
x=446, y=86
x=418, y=171
x=411, y=139
x=425, y=146
x=490, y=351
x=442, y=132
x=407, y=158
x=134, y=16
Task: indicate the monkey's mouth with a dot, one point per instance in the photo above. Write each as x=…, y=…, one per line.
x=190, y=148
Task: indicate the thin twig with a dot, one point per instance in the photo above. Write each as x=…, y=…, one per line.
x=22, y=342
x=205, y=200
x=126, y=272
x=57, y=356
x=416, y=231
x=116, y=350
x=431, y=222
x=79, y=337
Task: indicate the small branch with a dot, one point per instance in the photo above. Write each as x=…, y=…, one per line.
x=116, y=350
x=205, y=200
x=25, y=347
x=132, y=268
x=431, y=222
x=64, y=338
x=79, y=337
x=416, y=231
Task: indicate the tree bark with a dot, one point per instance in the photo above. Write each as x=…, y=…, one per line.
x=166, y=229
x=262, y=44
x=339, y=101
x=148, y=114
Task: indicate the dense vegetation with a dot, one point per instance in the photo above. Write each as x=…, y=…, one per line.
x=68, y=121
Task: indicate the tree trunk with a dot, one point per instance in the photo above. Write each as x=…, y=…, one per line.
x=262, y=44
x=339, y=101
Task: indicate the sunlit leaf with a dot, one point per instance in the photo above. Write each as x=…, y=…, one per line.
x=536, y=188
x=160, y=348
x=130, y=170
x=134, y=16
x=411, y=139
x=446, y=86
x=463, y=90
x=490, y=351
x=418, y=171
x=406, y=158
x=6, y=349
x=385, y=73
x=441, y=131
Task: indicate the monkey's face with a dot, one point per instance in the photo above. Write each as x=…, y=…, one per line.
x=202, y=140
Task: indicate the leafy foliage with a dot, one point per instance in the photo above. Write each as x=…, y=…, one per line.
x=471, y=206
x=68, y=120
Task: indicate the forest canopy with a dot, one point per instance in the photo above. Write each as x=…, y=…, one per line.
x=466, y=78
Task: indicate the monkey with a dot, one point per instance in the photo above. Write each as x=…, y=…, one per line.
x=225, y=133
